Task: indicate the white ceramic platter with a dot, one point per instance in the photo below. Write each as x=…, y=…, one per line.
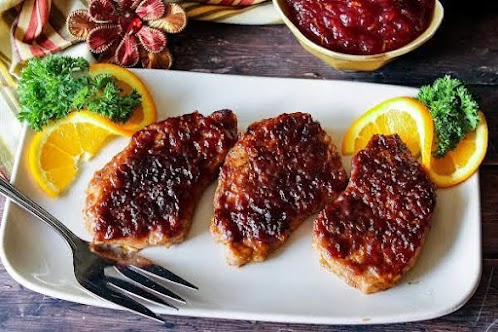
x=291, y=286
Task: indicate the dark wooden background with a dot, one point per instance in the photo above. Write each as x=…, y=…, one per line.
x=465, y=46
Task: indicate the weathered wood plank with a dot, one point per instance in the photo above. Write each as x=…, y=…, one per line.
x=488, y=100
x=489, y=203
x=466, y=45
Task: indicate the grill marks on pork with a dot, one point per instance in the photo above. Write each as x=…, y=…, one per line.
x=373, y=232
x=280, y=172
x=147, y=193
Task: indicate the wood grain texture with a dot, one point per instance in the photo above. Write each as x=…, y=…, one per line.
x=465, y=46
x=489, y=202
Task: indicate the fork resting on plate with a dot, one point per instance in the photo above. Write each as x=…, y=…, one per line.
x=90, y=262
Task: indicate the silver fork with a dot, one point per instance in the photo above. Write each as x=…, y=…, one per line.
x=90, y=261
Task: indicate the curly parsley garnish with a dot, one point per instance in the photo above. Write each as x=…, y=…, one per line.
x=52, y=87
x=454, y=111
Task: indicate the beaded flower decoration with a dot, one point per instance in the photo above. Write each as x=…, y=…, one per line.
x=126, y=32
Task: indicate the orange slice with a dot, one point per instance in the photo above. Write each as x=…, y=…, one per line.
x=459, y=164
x=55, y=153
x=404, y=116
x=144, y=114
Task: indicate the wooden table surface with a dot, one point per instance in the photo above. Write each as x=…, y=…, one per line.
x=466, y=46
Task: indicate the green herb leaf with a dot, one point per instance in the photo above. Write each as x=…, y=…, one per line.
x=109, y=102
x=454, y=111
x=52, y=87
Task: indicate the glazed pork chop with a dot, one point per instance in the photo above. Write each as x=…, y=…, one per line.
x=147, y=193
x=280, y=172
x=373, y=232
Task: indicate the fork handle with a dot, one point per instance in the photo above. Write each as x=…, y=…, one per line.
x=9, y=191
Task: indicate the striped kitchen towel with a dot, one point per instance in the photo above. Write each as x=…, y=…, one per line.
x=37, y=28
x=253, y=12
x=10, y=128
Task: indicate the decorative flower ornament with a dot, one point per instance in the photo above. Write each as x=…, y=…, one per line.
x=128, y=31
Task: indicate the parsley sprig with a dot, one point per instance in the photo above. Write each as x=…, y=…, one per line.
x=52, y=87
x=454, y=111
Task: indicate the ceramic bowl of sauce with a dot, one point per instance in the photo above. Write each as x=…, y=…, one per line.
x=360, y=35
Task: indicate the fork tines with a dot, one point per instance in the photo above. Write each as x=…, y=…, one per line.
x=101, y=289
x=137, y=283
x=162, y=273
x=133, y=290
x=148, y=283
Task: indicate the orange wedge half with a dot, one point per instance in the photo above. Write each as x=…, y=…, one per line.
x=55, y=153
x=459, y=164
x=404, y=116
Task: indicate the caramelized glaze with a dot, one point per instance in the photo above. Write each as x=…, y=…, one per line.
x=281, y=171
x=152, y=186
x=381, y=220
